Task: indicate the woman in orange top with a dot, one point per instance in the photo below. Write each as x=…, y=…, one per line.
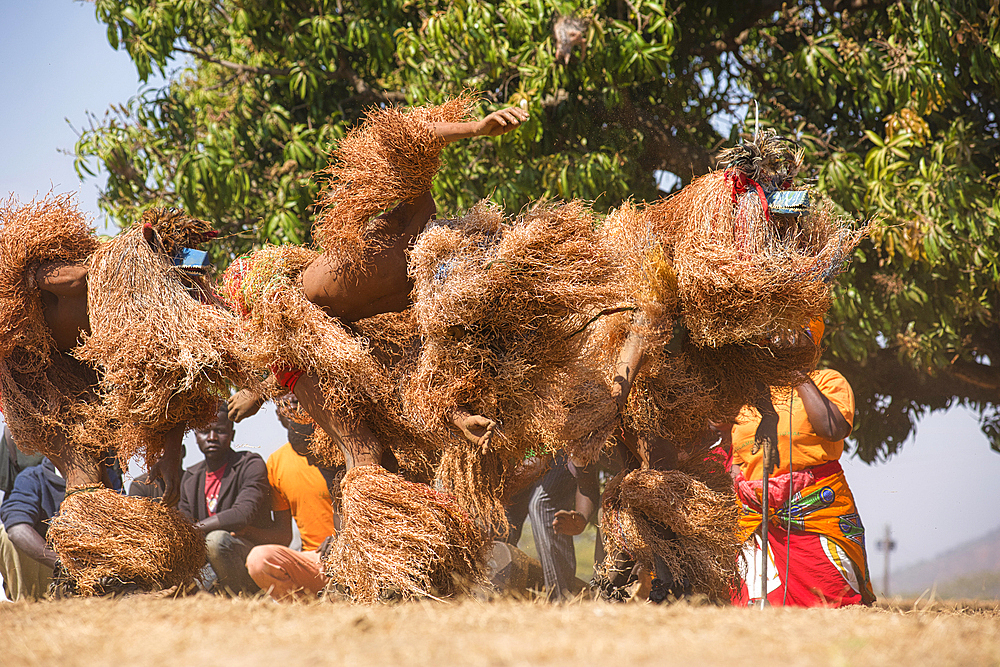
x=815, y=535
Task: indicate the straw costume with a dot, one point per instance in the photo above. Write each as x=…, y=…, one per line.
x=503, y=307
x=107, y=541
x=717, y=275
x=46, y=392
x=678, y=524
x=150, y=359
x=283, y=331
x=163, y=342
x=334, y=327
x=160, y=334
x=389, y=526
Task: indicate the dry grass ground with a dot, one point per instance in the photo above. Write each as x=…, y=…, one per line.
x=207, y=630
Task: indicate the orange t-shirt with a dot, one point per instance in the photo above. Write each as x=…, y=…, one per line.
x=808, y=449
x=301, y=488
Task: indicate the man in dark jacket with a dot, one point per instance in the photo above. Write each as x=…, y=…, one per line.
x=25, y=561
x=224, y=494
x=560, y=504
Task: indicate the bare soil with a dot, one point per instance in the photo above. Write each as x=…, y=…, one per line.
x=206, y=630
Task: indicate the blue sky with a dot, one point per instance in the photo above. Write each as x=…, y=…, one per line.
x=56, y=64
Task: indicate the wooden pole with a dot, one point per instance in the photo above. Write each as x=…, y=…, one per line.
x=886, y=546
x=765, y=513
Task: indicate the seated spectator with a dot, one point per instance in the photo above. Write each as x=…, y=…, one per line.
x=560, y=505
x=25, y=561
x=13, y=461
x=225, y=494
x=300, y=490
x=143, y=488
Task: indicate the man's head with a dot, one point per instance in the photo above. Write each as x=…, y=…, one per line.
x=298, y=433
x=216, y=439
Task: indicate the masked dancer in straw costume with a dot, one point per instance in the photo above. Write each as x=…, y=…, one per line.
x=334, y=328
x=110, y=343
x=503, y=306
x=715, y=273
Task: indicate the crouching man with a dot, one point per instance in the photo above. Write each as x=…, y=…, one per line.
x=301, y=489
x=224, y=495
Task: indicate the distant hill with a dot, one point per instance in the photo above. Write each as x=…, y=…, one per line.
x=970, y=570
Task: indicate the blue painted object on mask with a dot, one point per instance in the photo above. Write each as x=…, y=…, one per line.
x=189, y=258
x=788, y=202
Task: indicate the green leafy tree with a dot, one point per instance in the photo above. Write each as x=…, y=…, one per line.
x=895, y=103
x=898, y=106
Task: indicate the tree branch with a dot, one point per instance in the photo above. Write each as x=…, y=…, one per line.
x=237, y=67
x=364, y=91
x=891, y=396
x=343, y=72
x=977, y=375
x=844, y=5
x=663, y=150
x=964, y=380
x=737, y=33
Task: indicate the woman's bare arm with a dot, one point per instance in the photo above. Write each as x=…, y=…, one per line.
x=825, y=417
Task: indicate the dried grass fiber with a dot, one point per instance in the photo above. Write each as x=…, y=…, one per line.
x=503, y=308
x=400, y=538
x=390, y=158
x=706, y=548
x=48, y=230
x=280, y=327
x=715, y=279
x=162, y=336
x=44, y=392
x=99, y=533
x=775, y=277
x=713, y=255
x=51, y=410
x=500, y=306
x=359, y=368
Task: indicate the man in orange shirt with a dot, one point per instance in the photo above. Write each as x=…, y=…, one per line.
x=815, y=536
x=299, y=489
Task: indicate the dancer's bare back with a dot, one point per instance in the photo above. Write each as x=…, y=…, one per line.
x=63, y=288
x=379, y=283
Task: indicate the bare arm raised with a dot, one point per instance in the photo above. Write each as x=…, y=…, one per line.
x=493, y=125
x=630, y=361
x=825, y=417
